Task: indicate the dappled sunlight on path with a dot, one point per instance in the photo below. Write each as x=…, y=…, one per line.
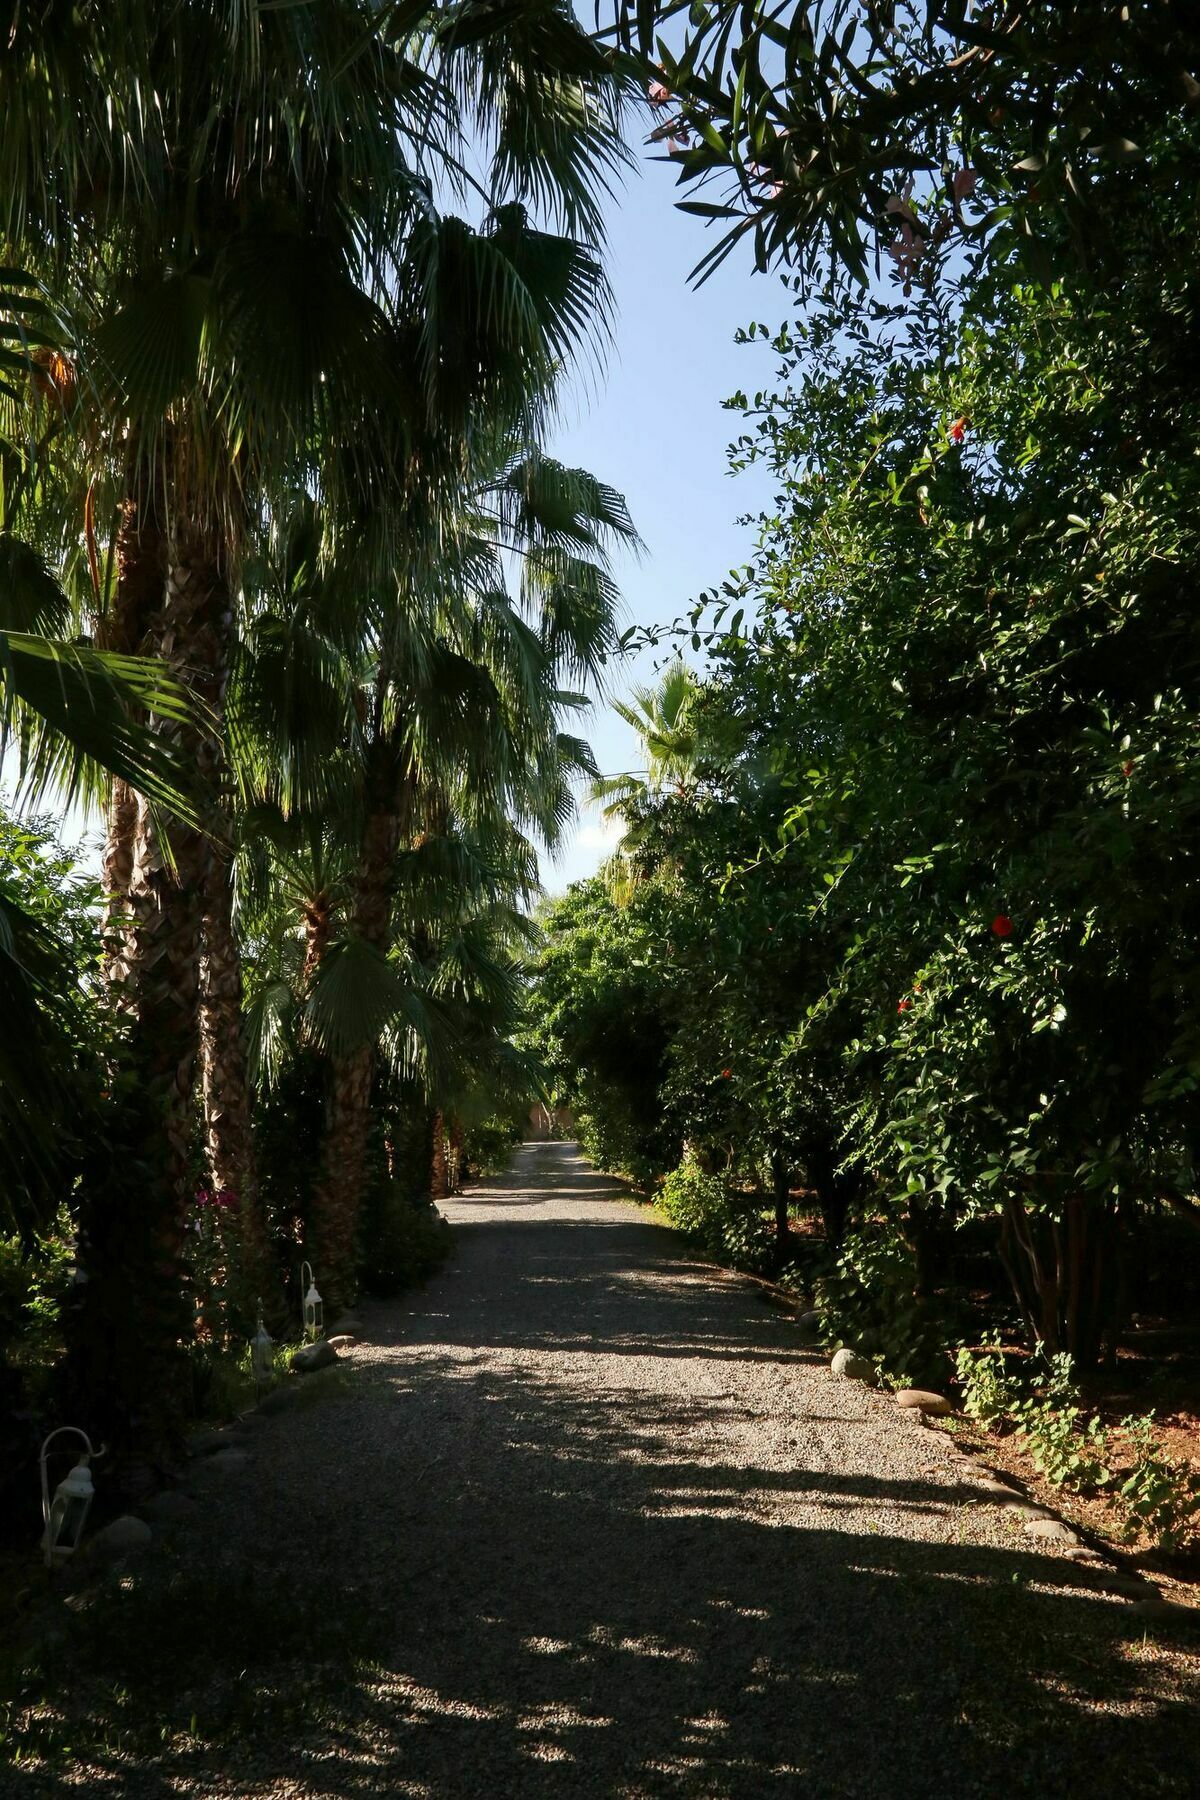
x=589, y=1520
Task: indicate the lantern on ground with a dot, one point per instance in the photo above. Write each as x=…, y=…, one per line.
x=262, y=1359
x=312, y=1306
x=65, y=1515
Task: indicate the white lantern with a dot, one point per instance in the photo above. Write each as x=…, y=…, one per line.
x=262, y=1360
x=65, y=1516
x=312, y=1310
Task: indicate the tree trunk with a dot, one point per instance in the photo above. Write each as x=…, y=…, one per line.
x=124, y=628
x=781, y=1185
x=439, y=1186
x=458, y=1156
x=133, y=1317
x=228, y=1111
x=338, y=1191
x=1061, y=1260
x=835, y=1190
x=318, y=929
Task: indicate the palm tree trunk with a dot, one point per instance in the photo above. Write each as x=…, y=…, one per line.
x=228, y=1113
x=440, y=1181
x=133, y=1317
x=318, y=929
x=338, y=1191
x=141, y=575
x=458, y=1156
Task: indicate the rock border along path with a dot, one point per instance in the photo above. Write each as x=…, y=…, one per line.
x=595, y=1521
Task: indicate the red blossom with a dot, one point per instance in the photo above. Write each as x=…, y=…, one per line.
x=903, y=1005
x=958, y=430
x=726, y=1074
x=1127, y=770
x=1002, y=925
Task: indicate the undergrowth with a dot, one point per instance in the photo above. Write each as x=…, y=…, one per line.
x=1153, y=1494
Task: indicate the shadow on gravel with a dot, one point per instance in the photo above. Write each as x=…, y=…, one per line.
x=526, y=1588
x=698, y=1313
x=539, y=1637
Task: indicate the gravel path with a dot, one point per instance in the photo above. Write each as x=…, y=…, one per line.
x=584, y=1519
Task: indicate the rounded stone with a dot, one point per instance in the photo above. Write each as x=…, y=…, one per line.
x=207, y=1443
x=123, y=1535
x=279, y=1400
x=314, y=1356
x=1157, y=1606
x=223, y=1463
x=924, y=1401
x=851, y=1366
x=170, y=1508
x=1000, y=1490
x=1052, y=1531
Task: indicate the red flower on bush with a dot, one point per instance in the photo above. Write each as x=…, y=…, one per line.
x=1127, y=770
x=958, y=430
x=726, y=1074
x=1002, y=925
x=903, y=1005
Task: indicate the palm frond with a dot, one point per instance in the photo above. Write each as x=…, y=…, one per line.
x=73, y=711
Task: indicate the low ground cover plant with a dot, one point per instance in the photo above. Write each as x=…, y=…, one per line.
x=1154, y=1495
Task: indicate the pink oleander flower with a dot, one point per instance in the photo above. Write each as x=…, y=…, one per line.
x=906, y=252
x=658, y=94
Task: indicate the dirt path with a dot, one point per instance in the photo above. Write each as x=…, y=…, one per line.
x=583, y=1518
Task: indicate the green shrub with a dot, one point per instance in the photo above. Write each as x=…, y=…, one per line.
x=1069, y=1451
x=406, y=1243
x=1160, y=1496
x=33, y=1283
x=990, y=1392
x=221, y=1376
x=1041, y=1401
x=868, y=1300
x=727, y=1227
x=489, y=1145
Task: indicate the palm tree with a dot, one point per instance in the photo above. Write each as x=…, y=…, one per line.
x=467, y=723
x=670, y=736
x=277, y=303
x=290, y=306
x=679, y=744
x=72, y=716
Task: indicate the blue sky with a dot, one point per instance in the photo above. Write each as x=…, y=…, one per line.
x=652, y=424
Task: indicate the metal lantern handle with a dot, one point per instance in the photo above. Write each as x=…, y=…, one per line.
x=47, y=1504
